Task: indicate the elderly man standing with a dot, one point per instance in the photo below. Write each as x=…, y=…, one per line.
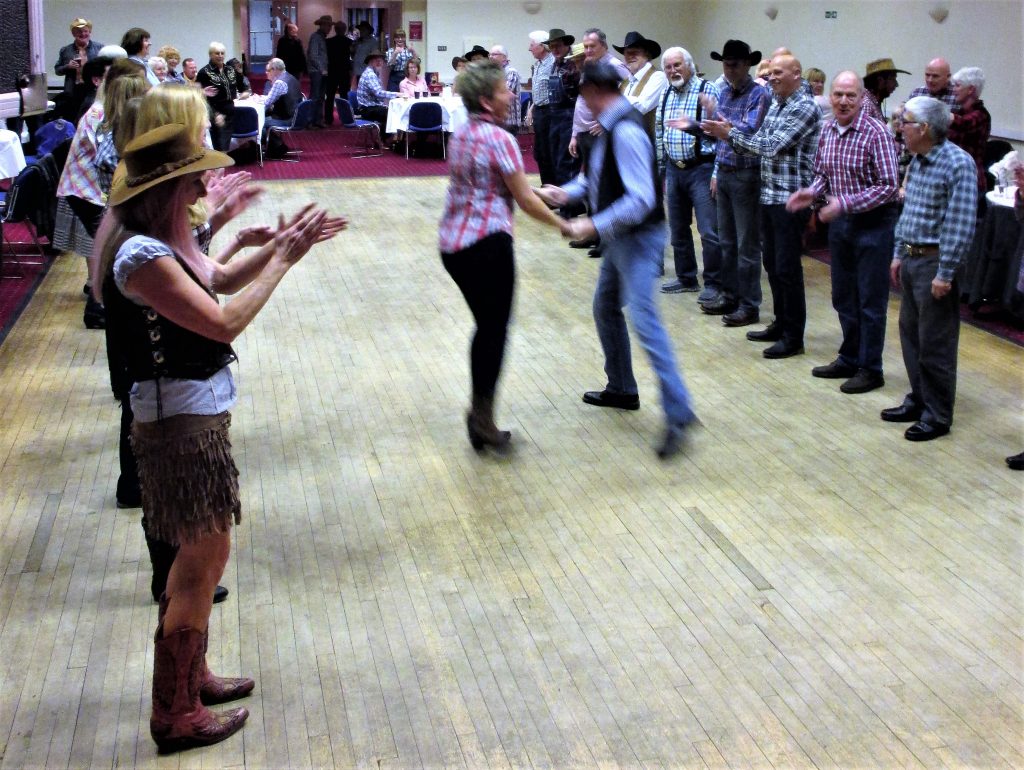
x=621, y=186
x=646, y=82
x=289, y=50
x=971, y=124
x=317, y=64
x=736, y=186
x=563, y=88
x=540, y=108
x=686, y=157
x=936, y=83
x=499, y=55
x=786, y=143
x=856, y=180
x=585, y=128
x=933, y=235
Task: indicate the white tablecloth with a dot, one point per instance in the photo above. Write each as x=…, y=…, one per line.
x=256, y=102
x=12, y=159
x=453, y=112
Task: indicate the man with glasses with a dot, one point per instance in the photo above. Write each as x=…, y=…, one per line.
x=933, y=236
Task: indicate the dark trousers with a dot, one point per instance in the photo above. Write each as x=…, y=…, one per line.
x=377, y=114
x=316, y=92
x=738, y=237
x=334, y=83
x=89, y=213
x=782, y=244
x=929, y=336
x=861, y=248
x=564, y=165
x=485, y=274
x=542, y=143
x=220, y=136
x=128, y=482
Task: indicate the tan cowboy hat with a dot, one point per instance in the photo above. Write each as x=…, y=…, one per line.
x=882, y=65
x=81, y=23
x=158, y=156
x=576, y=50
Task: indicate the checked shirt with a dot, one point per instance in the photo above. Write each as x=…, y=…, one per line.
x=858, y=167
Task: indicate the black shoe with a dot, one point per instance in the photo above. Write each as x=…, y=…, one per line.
x=220, y=593
x=678, y=287
x=94, y=316
x=905, y=412
x=925, y=431
x=594, y=253
x=721, y=306
x=614, y=400
x=863, y=381
x=772, y=333
x=782, y=349
x=1016, y=462
x=129, y=501
x=742, y=318
x=87, y=290
x=675, y=439
x=583, y=243
x=836, y=370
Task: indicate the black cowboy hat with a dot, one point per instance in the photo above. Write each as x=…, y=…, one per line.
x=737, y=50
x=374, y=55
x=477, y=50
x=636, y=40
x=559, y=34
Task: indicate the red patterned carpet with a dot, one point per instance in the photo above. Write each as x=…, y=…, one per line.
x=328, y=154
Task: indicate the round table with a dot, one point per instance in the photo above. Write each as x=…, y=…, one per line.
x=453, y=112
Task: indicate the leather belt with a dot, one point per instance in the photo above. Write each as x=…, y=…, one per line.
x=693, y=162
x=540, y=106
x=921, y=249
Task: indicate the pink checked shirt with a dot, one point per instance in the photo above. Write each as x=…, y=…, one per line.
x=859, y=167
x=478, y=203
x=80, y=177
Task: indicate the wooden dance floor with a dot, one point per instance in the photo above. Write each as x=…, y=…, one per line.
x=802, y=588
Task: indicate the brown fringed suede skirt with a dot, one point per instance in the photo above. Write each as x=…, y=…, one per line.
x=189, y=480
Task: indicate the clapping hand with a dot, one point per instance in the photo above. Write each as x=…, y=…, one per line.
x=255, y=235
x=708, y=103
x=716, y=128
x=295, y=237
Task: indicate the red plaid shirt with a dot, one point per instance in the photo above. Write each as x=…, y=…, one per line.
x=858, y=167
x=478, y=203
x=970, y=132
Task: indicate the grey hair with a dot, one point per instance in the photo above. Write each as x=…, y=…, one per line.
x=538, y=36
x=215, y=46
x=154, y=60
x=600, y=35
x=931, y=111
x=276, y=64
x=971, y=76
x=477, y=81
x=501, y=49
x=677, y=51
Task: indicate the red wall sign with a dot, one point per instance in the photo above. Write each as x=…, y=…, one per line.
x=415, y=30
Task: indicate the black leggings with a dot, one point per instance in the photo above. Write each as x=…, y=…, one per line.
x=485, y=274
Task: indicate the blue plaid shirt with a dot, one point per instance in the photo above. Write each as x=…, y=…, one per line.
x=676, y=144
x=370, y=93
x=745, y=109
x=541, y=72
x=940, y=207
x=786, y=141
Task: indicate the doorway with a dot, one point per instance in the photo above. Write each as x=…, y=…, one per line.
x=266, y=26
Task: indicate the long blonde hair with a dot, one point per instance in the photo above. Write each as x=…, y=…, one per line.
x=176, y=103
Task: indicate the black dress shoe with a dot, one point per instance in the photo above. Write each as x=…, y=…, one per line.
x=772, y=333
x=614, y=400
x=1016, y=462
x=863, y=381
x=782, y=349
x=672, y=443
x=741, y=318
x=905, y=412
x=836, y=370
x=925, y=431
x=720, y=306
x=583, y=243
x=220, y=593
x=594, y=253
x=129, y=501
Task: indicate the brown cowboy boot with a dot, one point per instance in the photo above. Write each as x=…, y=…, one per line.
x=215, y=689
x=481, y=428
x=179, y=720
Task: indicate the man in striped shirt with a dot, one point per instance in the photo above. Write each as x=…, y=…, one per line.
x=786, y=143
x=856, y=179
x=544, y=62
x=933, y=236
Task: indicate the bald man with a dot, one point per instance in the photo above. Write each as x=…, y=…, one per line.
x=786, y=143
x=856, y=179
x=936, y=83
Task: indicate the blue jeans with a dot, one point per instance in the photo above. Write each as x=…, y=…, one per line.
x=738, y=237
x=629, y=272
x=861, y=247
x=688, y=191
x=782, y=241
